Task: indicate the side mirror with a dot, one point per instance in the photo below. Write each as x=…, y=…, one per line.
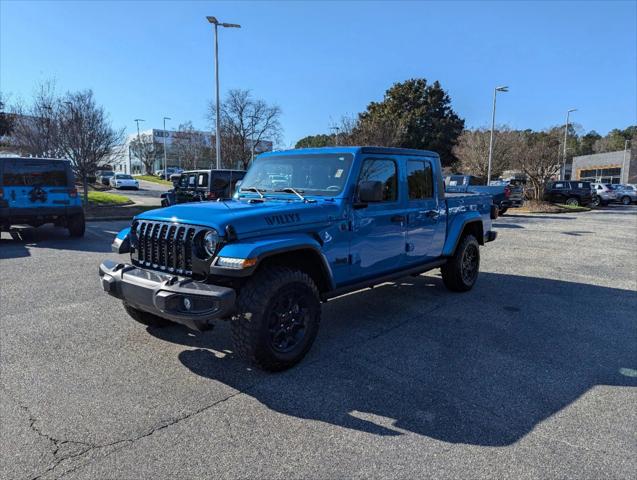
x=370, y=191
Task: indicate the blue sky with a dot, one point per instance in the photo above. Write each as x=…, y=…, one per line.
x=322, y=60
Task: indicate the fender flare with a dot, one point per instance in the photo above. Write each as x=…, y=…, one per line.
x=456, y=228
x=261, y=249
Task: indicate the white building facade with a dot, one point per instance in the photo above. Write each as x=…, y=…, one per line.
x=124, y=158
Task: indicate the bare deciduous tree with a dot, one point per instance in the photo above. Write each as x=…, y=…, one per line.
x=535, y=155
x=245, y=123
x=191, y=146
x=472, y=151
x=85, y=134
x=35, y=127
x=146, y=150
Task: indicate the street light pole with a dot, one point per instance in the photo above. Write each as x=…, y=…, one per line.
x=624, y=169
x=165, y=161
x=495, y=93
x=336, y=130
x=139, y=146
x=568, y=113
x=217, y=24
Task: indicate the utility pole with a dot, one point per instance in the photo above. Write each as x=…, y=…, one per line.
x=165, y=157
x=495, y=93
x=139, y=146
x=568, y=113
x=217, y=24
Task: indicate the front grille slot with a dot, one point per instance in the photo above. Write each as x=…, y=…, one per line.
x=164, y=246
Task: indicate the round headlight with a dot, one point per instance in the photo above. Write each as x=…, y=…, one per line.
x=210, y=242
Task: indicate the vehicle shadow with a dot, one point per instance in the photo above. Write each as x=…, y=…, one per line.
x=411, y=357
x=506, y=225
x=20, y=240
x=539, y=216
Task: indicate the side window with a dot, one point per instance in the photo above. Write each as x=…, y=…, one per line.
x=220, y=181
x=559, y=186
x=419, y=180
x=384, y=171
x=191, y=180
x=202, y=180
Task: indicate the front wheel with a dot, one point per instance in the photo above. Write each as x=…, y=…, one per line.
x=460, y=272
x=625, y=200
x=596, y=201
x=279, y=312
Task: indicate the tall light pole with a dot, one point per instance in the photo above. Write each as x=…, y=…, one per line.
x=139, y=146
x=217, y=24
x=495, y=93
x=624, y=169
x=165, y=161
x=568, y=113
x=336, y=130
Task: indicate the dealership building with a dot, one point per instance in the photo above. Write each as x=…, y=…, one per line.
x=610, y=167
x=124, y=159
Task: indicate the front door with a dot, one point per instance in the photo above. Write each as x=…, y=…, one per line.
x=425, y=226
x=378, y=231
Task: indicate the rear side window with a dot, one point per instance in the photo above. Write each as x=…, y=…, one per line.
x=191, y=181
x=202, y=180
x=419, y=180
x=383, y=171
x=24, y=173
x=220, y=181
x=559, y=186
x=580, y=185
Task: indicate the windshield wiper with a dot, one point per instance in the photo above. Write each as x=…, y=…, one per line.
x=253, y=189
x=294, y=191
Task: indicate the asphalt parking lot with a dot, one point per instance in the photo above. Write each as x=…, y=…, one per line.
x=533, y=374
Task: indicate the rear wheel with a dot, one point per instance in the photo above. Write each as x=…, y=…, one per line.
x=625, y=200
x=145, y=318
x=572, y=201
x=76, y=225
x=502, y=211
x=596, y=201
x=460, y=272
x=278, y=319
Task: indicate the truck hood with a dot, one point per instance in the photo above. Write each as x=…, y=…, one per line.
x=249, y=218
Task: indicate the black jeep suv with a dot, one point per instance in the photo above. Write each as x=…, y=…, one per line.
x=201, y=185
x=569, y=193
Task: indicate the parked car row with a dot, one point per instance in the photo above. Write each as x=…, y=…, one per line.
x=577, y=192
x=169, y=171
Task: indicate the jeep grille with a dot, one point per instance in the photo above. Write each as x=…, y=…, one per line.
x=164, y=246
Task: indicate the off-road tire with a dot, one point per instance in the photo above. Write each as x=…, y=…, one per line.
x=625, y=200
x=145, y=318
x=257, y=306
x=502, y=211
x=454, y=274
x=76, y=225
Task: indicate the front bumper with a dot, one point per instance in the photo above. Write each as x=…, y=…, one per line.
x=178, y=299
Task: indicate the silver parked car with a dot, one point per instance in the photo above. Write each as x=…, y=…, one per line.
x=625, y=194
x=603, y=194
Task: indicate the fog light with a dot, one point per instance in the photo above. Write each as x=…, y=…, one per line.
x=187, y=303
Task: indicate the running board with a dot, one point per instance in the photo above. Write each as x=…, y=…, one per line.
x=413, y=271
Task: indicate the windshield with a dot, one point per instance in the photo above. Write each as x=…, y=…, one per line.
x=123, y=177
x=321, y=174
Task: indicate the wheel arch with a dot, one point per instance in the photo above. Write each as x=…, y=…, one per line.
x=459, y=230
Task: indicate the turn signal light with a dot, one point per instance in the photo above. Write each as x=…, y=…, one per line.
x=235, y=263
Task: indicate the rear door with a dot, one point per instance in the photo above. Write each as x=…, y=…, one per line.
x=32, y=183
x=559, y=192
x=424, y=217
x=378, y=230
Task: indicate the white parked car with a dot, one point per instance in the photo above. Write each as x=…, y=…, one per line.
x=603, y=194
x=122, y=180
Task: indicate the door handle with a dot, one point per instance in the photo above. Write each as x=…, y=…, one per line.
x=432, y=213
x=397, y=218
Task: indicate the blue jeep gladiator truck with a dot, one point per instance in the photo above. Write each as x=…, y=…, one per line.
x=303, y=227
